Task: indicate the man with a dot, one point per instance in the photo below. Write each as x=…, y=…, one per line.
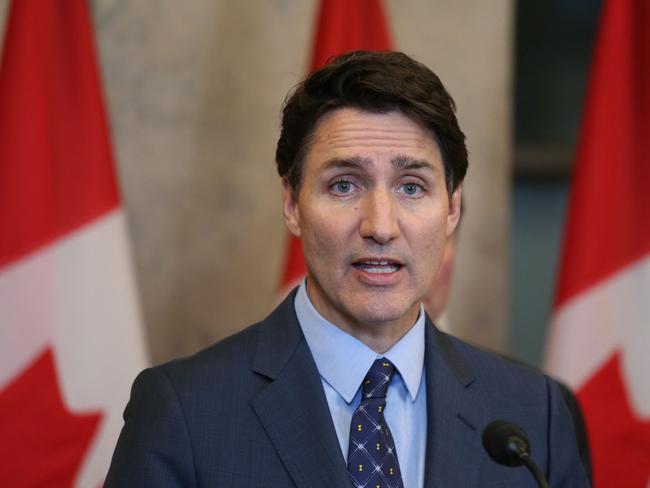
x=348, y=383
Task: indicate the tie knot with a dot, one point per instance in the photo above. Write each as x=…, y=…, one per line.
x=375, y=384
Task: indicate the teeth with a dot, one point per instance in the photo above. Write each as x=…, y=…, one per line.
x=375, y=267
x=377, y=262
x=382, y=269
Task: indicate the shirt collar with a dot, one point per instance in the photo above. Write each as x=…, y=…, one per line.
x=343, y=361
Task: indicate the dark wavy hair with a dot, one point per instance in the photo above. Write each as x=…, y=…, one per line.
x=378, y=82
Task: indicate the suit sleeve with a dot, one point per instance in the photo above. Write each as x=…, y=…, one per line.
x=154, y=448
x=581, y=429
x=565, y=467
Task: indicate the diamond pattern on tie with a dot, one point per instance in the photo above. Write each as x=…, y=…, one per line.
x=372, y=457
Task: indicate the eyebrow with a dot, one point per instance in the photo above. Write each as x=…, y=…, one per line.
x=352, y=162
x=399, y=162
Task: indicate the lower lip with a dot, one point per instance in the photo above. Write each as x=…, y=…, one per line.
x=378, y=279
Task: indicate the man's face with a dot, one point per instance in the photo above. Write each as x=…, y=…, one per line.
x=373, y=214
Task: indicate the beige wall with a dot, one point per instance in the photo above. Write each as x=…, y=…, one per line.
x=194, y=91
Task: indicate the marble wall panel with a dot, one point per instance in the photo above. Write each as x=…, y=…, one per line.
x=194, y=91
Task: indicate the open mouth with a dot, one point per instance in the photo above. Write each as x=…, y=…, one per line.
x=378, y=265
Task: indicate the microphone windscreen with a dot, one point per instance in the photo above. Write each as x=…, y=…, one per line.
x=505, y=442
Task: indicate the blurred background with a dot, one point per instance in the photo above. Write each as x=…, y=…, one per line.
x=193, y=92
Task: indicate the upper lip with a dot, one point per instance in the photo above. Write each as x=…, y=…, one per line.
x=378, y=261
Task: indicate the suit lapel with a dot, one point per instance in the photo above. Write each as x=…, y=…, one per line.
x=292, y=408
x=454, y=415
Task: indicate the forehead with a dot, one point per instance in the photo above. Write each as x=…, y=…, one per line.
x=348, y=132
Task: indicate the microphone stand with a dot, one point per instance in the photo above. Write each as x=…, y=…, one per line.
x=534, y=470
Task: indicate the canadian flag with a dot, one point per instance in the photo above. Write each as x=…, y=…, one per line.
x=342, y=26
x=70, y=332
x=600, y=330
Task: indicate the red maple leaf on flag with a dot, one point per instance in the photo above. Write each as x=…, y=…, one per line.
x=619, y=440
x=42, y=443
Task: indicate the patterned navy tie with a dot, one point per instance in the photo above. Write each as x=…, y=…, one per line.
x=372, y=457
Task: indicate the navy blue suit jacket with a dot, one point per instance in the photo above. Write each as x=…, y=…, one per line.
x=250, y=411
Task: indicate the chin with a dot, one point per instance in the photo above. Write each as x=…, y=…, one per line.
x=380, y=311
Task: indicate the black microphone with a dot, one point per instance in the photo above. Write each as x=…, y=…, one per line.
x=508, y=444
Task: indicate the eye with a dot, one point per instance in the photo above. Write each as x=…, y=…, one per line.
x=411, y=189
x=342, y=186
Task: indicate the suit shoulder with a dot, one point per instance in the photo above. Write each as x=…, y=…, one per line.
x=500, y=375
x=482, y=358
x=216, y=363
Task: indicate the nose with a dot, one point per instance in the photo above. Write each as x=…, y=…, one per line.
x=379, y=220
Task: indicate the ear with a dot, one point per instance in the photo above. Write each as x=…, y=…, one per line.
x=453, y=217
x=290, y=208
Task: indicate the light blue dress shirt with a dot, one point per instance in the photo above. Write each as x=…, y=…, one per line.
x=343, y=362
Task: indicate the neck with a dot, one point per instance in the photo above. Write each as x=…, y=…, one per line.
x=378, y=335
x=377, y=340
